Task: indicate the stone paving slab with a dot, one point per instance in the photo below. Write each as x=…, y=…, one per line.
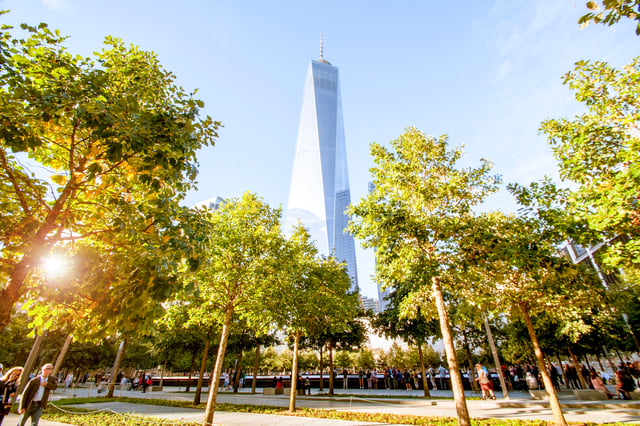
x=518, y=406
x=12, y=420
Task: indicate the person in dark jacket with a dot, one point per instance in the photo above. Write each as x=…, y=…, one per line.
x=35, y=396
x=8, y=387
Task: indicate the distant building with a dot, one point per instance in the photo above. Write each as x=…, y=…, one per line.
x=382, y=294
x=370, y=304
x=212, y=203
x=319, y=193
x=586, y=255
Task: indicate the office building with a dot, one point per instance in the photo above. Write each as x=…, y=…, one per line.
x=319, y=193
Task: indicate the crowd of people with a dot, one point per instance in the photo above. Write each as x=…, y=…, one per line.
x=35, y=395
x=228, y=378
x=524, y=378
x=517, y=377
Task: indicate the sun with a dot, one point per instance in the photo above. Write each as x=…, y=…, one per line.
x=55, y=266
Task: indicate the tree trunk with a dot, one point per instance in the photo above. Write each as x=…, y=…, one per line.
x=164, y=367
x=599, y=361
x=211, y=381
x=116, y=368
x=330, y=367
x=31, y=361
x=213, y=390
x=40, y=243
x=294, y=373
x=12, y=291
x=574, y=359
x=425, y=383
x=203, y=366
x=62, y=354
x=561, y=373
x=256, y=363
x=496, y=359
x=236, y=382
x=193, y=361
x=608, y=356
x=548, y=385
x=467, y=350
x=586, y=359
x=454, y=371
x=321, y=368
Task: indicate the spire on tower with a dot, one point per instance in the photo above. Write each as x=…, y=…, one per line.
x=322, y=59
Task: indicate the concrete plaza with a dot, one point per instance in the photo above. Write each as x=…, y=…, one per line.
x=519, y=406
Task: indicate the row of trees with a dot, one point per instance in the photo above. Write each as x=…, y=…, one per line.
x=431, y=246
x=114, y=140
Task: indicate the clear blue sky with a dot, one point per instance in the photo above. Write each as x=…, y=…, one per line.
x=484, y=72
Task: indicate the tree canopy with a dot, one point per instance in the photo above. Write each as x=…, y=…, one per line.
x=609, y=12
x=91, y=149
x=420, y=202
x=600, y=152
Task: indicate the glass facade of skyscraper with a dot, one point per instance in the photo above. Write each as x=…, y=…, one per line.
x=319, y=193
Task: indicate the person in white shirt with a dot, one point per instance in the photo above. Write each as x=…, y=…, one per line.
x=35, y=396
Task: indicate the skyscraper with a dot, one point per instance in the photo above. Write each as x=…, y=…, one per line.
x=319, y=193
x=382, y=294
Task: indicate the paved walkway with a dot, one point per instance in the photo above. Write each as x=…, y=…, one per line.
x=518, y=406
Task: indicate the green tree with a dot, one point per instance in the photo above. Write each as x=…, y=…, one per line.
x=412, y=219
x=600, y=152
x=347, y=337
x=269, y=362
x=414, y=328
x=312, y=295
x=175, y=335
x=343, y=359
x=609, y=12
x=14, y=342
x=238, y=271
x=520, y=273
x=365, y=359
x=113, y=139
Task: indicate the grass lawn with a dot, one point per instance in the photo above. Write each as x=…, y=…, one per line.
x=85, y=418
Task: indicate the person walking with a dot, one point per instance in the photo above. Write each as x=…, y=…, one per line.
x=225, y=381
x=35, y=396
x=432, y=376
x=442, y=376
x=8, y=387
x=144, y=383
x=407, y=379
x=68, y=381
x=387, y=378
x=306, y=386
x=532, y=381
x=486, y=384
